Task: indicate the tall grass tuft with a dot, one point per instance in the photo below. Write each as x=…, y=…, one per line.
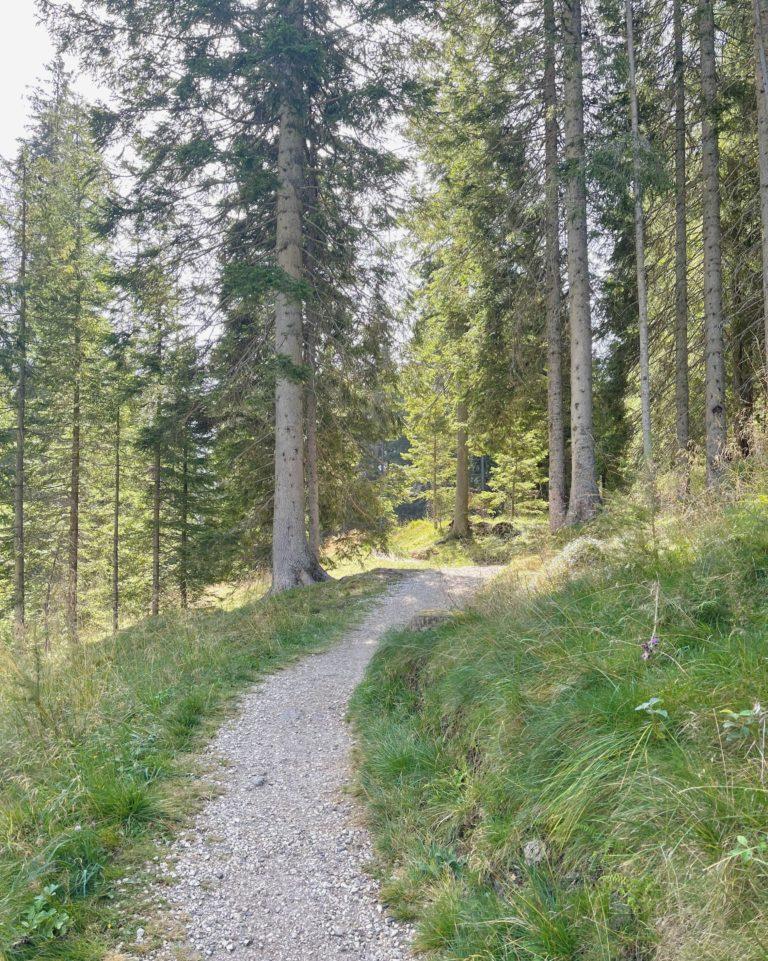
x=577, y=770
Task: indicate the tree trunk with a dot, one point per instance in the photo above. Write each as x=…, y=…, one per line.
x=156, y=497
x=292, y=561
x=74, y=496
x=184, y=546
x=642, y=284
x=435, y=516
x=715, y=418
x=681, y=242
x=461, y=507
x=19, y=600
x=584, y=497
x=761, y=76
x=116, y=531
x=557, y=494
x=313, y=481
x=312, y=249
x=742, y=385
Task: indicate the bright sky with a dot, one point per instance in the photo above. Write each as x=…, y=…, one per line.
x=25, y=48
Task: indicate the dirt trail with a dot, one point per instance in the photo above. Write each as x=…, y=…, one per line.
x=274, y=867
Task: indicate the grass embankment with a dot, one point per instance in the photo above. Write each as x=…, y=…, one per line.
x=541, y=792
x=95, y=755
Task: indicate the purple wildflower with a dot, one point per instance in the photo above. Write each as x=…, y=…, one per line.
x=650, y=646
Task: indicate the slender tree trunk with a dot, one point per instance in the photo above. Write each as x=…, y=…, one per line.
x=681, y=242
x=461, y=506
x=74, y=495
x=585, y=496
x=157, y=471
x=313, y=480
x=312, y=249
x=292, y=561
x=435, y=515
x=557, y=493
x=184, y=546
x=116, y=529
x=761, y=77
x=742, y=385
x=642, y=284
x=715, y=417
x=19, y=600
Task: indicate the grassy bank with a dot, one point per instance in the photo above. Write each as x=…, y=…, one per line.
x=544, y=787
x=95, y=754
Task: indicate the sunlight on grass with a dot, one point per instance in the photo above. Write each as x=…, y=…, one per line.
x=93, y=746
x=541, y=790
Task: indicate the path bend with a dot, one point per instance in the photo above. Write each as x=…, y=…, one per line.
x=273, y=868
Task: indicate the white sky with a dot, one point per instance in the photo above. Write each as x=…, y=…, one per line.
x=25, y=49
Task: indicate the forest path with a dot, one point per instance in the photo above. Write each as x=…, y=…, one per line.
x=274, y=866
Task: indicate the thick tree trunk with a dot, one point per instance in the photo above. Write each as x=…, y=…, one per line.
x=642, y=284
x=557, y=493
x=584, y=497
x=761, y=78
x=19, y=599
x=184, y=546
x=292, y=560
x=116, y=529
x=715, y=417
x=681, y=242
x=460, y=527
x=74, y=496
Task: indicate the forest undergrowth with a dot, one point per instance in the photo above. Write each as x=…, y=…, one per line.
x=96, y=753
x=576, y=769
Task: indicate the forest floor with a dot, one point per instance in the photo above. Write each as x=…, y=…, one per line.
x=274, y=865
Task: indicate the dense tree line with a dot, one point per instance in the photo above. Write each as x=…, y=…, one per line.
x=607, y=158
x=201, y=303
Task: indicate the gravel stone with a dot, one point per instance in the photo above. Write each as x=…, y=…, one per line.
x=273, y=867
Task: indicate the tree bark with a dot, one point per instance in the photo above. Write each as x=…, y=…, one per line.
x=293, y=563
x=557, y=493
x=116, y=529
x=313, y=480
x=642, y=281
x=74, y=495
x=681, y=242
x=435, y=515
x=585, y=497
x=157, y=470
x=184, y=546
x=19, y=600
x=460, y=527
x=761, y=80
x=715, y=416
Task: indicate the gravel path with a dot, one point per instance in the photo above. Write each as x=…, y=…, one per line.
x=274, y=867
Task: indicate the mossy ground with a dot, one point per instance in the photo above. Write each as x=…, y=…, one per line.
x=541, y=792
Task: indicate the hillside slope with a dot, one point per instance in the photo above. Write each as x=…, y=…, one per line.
x=555, y=777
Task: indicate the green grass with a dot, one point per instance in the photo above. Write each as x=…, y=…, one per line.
x=95, y=755
x=418, y=544
x=516, y=729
